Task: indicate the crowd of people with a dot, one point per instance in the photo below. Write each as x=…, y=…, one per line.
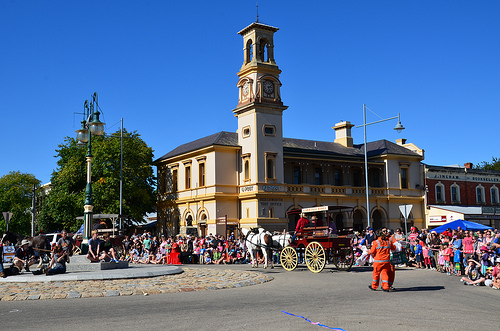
x=26, y=256
x=212, y=249
x=473, y=256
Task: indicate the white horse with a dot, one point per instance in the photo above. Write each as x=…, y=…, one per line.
x=260, y=238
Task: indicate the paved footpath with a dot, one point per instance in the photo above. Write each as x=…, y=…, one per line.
x=192, y=279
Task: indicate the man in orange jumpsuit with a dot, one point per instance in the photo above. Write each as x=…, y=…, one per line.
x=381, y=252
x=392, y=270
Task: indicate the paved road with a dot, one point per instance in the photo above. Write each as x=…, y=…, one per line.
x=426, y=301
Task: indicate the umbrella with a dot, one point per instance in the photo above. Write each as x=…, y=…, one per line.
x=464, y=225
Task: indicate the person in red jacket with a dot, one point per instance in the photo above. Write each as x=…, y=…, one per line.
x=301, y=223
x=381, y=252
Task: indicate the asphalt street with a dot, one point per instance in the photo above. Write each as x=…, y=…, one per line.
x=295, y=300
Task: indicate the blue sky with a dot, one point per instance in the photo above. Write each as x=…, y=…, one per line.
x=169, y=69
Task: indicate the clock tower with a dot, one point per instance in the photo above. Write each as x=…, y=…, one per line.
x=260, y=109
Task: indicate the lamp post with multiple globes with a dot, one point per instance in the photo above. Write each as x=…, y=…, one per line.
x=91, y=125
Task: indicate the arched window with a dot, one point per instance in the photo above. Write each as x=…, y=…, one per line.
x=439, y=188
x=249, y=51
x=480, y=194
x=264, y=52
x=247, y=170
x=455, y=193
x=189, y=220
x=494, y=194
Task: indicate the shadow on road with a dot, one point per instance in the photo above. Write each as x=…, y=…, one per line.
x=420, y=288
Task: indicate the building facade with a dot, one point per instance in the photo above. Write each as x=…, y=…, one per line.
x=462, y=193
x=256, y=177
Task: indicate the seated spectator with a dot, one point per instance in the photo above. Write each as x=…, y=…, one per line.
x=94, y=247
x=66, y=242
x=208, y=257
x=24, y=256
x=126, y=245
x=58, y=262
x=475, y=276
x=108, y=253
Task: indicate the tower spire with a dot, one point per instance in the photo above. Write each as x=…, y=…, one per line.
x=257, y=21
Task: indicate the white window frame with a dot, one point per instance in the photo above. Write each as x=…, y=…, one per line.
x=457, y=187
x=443, y=194
x=494, y=193
x=481, y=189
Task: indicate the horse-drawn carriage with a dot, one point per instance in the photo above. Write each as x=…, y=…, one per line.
x=320, y=244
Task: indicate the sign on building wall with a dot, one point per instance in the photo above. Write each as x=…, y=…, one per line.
x=437, y=219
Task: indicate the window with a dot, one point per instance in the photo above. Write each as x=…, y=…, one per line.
x=404, y=178
x=439, y=192
x=174, y=180
x=247, y=170
x=246, y=167
x=270, y=168
x=480, y=194
x=188, y=177
x=455, y=193
x=271, y=212
x=296, y=175
x=356, y=178
x=318, y=180
x=246, y=132
x=494, y=195
x=163, y=182
x=374, y=178
x=337, y=173
x=201, y=174
x=269, y=130
x=249, y=51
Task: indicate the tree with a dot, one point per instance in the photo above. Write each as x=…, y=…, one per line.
x=494, y=165
x=15, y=196
x=65, y=201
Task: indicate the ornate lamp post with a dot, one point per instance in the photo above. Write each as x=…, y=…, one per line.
x=91, y=125
x=399, y=127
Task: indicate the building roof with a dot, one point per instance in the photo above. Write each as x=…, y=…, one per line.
x=222, y=138
x=469, y=210
x=297, y=146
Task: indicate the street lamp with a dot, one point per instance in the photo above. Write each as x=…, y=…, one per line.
x=399, y=127
x=91, y=125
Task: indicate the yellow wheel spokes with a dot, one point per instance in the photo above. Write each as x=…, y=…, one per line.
x=288, y=258
x=315, y=257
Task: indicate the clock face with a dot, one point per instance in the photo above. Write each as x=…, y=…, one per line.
x=268, y=87
x=246, y=88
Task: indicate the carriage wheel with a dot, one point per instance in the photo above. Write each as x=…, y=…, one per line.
x=315, y=257
x=343, y=258
x=288, y=258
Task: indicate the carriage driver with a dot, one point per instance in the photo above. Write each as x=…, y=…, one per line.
x=25, y=256
x=301, y=224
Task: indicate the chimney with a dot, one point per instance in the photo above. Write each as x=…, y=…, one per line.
x=401, y=141
x=468, y=165
x=343, y=133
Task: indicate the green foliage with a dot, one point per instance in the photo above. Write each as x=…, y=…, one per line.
x=66, y=199
x=494, y=165
x=15, y=196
